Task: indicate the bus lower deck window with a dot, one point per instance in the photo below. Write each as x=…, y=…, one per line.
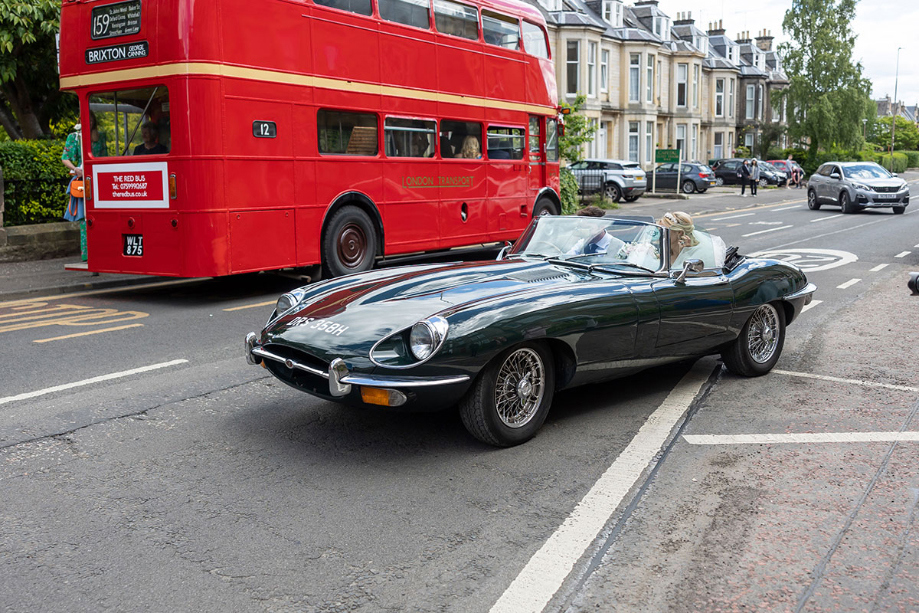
x=410, y=137
x=129, y=122
x=347, y=133
x=505, y=143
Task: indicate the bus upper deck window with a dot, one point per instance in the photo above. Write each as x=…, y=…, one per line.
x=500, y=30
x=347, y=133
x=361, y=7
x=130, y=122
x=534, y=40
x=410, y=12
x=456, y=19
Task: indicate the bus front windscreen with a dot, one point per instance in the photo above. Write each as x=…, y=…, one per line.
x=130, y=122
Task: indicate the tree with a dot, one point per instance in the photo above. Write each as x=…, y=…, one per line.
x=29, y=95
x=578, y=131
x=827, y=95
x=907, y=136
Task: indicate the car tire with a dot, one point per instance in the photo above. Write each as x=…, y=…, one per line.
x=719, y=182
x=759, y=345
x=899, y=210
x=349, y=243
x=632, y=198
x=688, y=187
x=812, y=203
x=613, y=192
x=544, y=206
x=846, y=204
x=509, y=401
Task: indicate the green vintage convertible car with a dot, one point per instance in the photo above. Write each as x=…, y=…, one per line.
x=576, y=300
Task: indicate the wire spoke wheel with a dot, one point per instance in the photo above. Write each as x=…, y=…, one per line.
x=520, y=386
x=763, y=339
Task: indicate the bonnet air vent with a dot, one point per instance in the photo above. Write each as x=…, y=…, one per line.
x=538, y=276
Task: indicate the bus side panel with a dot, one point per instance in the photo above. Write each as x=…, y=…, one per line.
x=507, y=78
x=268, y=35
x=207, y=251
x=462, y=183
x=467, y=69
x=333, y=52
x=262, y=240
x=410, y=212
x=541, y=87
x=408, y=58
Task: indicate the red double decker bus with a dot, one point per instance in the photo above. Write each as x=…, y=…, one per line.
x=231, y=136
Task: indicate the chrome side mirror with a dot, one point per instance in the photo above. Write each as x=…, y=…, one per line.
x=835, y=175
x=913, y=283
x=504, y=250
x=690, y=266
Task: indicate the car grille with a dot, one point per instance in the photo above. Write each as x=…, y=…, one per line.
x=295, y=376
x=887, y=190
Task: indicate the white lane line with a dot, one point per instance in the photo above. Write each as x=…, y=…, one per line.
x=764, y=231
x=826, y=437
x=813, y=303
x=890, y=386
x=108, y=377
x=902, y=254
x=879, y=267
x=251, y=306
x=733, y=216
x=825, y=218
x=848, y=284
x=547, y=570
x=788, y=208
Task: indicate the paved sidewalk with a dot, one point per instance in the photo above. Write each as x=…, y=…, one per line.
x=48, y=277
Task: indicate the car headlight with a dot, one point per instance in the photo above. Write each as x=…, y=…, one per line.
x=427, y=336
x=289, y=300
x=861, y=186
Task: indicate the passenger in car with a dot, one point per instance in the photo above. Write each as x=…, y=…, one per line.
x=687, y=243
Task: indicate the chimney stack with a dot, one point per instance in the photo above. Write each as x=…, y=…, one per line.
x=764, y=40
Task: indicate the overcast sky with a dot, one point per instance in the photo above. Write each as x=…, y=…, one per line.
x=881, y=26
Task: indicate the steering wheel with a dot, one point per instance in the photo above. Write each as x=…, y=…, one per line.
x=538, y=247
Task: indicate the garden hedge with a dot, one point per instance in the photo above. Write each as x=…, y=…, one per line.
x=34, y=181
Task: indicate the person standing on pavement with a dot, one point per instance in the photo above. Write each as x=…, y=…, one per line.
x=743, y=174
x=789, y=164
x=754, y=177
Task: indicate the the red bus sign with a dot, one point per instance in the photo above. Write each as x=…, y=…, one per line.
x=135, y=186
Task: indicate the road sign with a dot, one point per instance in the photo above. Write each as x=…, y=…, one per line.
x=663, y=156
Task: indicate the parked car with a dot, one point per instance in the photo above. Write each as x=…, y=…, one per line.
x=498, y=339
x=771, y=175
x=726, y=171
x=854, y=186
x=616, y=179
x=693, y=177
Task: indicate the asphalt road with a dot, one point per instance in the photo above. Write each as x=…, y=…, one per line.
x=145, y=466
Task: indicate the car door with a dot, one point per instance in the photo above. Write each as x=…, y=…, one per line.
x=728, y=172
x=665, y=176
x=695, y=313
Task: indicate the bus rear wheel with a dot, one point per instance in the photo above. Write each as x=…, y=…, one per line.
x=544, y=206
x=349, y=243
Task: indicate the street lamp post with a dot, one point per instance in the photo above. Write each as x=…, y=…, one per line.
x=893, y=121
x=865, y=128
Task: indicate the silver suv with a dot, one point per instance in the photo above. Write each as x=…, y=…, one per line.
x=616, y=179
x=855, y=186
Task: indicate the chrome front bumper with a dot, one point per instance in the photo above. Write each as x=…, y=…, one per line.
x=340, y=378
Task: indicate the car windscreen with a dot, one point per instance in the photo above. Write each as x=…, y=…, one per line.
x=865, y=171
x=600, y=241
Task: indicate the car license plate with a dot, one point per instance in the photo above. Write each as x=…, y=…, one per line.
x=133, y=244
x=886, y=196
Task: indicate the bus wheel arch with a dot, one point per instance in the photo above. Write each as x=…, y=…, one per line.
x=547, y=203
x=352, y=236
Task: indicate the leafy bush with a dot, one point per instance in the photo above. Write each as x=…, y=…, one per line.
x=912, y=158
x=569, y=186
x=35, y=181
x=894, y=163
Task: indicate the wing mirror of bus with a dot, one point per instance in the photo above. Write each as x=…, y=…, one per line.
x=690, y=266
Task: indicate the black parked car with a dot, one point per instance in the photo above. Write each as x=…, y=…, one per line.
x=726, y=173
x=693, y=177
